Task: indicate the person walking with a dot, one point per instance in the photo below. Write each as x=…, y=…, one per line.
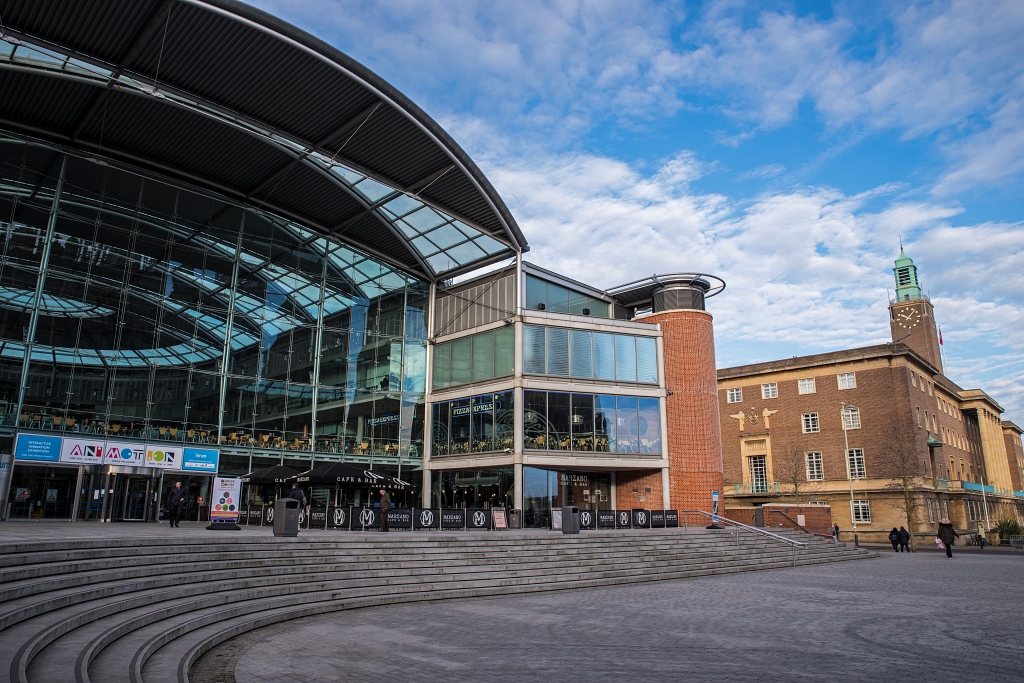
x=948, y=535
x=894, y=538
x=297, y=494
x=835, y=533
x=904, y=537
x=385, y=505
x=176, y=504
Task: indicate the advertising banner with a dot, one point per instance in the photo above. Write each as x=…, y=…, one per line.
x=427, y=519
x=453, y=519
x=338, y=517
x=128, y=454
x=477, y=519
x=657, y=519
x=714, y=506
x=38, y=448
x=164, y=457
x=225, y=497
x=622, y=519
x=588, y=520
x=672, y=518
x=641, y=519
x=367, y=518
x=200, y=459
x=317, y=518
x=606, y=519
x=82, y=451
x=400, y=518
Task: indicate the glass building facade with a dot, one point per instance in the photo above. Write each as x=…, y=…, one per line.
x=133, y=307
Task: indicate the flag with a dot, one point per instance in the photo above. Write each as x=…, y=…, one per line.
x=940, y=336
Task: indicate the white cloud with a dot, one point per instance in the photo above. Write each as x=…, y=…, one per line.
x=763, y=172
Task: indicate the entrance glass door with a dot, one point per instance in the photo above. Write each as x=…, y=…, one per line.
x=131, y=498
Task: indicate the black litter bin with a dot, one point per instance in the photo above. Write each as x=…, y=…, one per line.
x=286, y=517
x=570, y=519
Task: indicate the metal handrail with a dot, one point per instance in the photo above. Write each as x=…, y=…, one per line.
x=802, y=545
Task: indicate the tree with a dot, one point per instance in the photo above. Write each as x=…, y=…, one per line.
x=789, y=466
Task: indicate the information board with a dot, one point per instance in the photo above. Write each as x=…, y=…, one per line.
x=499, y=519
x=225, y=498
x=38, y=448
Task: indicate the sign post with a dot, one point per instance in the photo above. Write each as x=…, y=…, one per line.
x=225, y=498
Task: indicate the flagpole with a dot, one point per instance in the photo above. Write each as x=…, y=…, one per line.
x=942, y=351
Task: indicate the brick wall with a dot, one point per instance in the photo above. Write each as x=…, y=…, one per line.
x=817, y=518
x=641, y=480
x=694, y=429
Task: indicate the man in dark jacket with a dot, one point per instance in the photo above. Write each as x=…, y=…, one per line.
x=894, y=538
x=385, y=505
x=948, y=535
x=297, y=494
x=176, y=503
x=904, y=539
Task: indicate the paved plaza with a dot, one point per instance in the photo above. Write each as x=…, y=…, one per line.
x=899, y=617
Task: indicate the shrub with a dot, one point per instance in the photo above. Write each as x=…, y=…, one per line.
x=1009, y=527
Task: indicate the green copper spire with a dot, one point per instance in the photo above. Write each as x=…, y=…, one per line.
x=907, y=286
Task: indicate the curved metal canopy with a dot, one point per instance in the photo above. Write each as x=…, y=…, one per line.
x=223, y=95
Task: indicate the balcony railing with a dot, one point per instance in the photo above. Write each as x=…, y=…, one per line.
x=942, y=484
x=757, y=489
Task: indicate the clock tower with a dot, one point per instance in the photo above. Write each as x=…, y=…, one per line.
x=911, y=317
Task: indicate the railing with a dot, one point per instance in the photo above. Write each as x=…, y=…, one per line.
x=739, y=526
x=768, y=487
x=1017, y=542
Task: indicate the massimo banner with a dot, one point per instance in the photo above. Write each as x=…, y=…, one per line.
x=623, y=519
x=588, y=519
x=478, y=519
x=427, y=519
x=338, y=517
x=641, y=519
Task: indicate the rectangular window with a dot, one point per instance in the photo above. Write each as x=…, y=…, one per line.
x=558, y=298
x=604, y=424
x=625, y=358
x=582, y=422
x=649, y=426
x=536, y=293
x=559, y=429
x=483, y=356
x=442, y=366
x=931, y=515
x=918, y=416
x=822, y=503
x=929, y=388
x=580, y=354
x=461, y=419
x=440, y=441
x=535, y=420
x=810, y=423
x=483, y=423
x=855, y=463
x=758, y=474
x=862, y=511
x=851, y=418
x=847, y=380
x=604, y=356
x=815, y=471
x=504, y=420
x=806, y=386
x=935, y=426
x=734, y=396
x=626, y=419
x=534, y=346
x=913, y=379
x=647, y=360
x=462, y=360
x=770, y=390
x=505, y=351
x=558, y=351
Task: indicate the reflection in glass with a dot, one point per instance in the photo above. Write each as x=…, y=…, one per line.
x=559, y=430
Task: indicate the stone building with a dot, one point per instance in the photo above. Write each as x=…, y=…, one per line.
x=878, y=433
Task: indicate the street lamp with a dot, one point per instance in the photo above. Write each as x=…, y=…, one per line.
x=849, y=470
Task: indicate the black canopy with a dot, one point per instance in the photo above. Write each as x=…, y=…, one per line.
x=350, y=475
x=278, y=474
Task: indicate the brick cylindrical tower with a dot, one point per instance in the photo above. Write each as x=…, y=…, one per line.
x=694, y=427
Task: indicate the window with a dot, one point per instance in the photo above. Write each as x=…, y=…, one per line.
x=806, y=386
x=918, y=416
x=818, y=503
x=814, y=467
x=542, y=295
x=855, y=463
x=862, y=511
x=929, y=388
x=810, y=422
x=599, y=355
x=734, y=396
x=851, y=418
x=770, y=390
x=913, y=378
x=475, y=358
x=931, y=515
x=758, y=474
x=555, y=421
x=935, y=426
x=478, y=424
x=847, y=380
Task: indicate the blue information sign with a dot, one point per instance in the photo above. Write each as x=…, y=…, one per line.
x=200, y=460
x=37, y=447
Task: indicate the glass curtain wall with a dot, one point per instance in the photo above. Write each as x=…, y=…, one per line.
x=474, y=425
x=153, y=311
x=556, y=421
x=590, y=355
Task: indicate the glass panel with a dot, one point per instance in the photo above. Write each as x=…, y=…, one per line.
x=577, y=302
x=535, y=419
x=559, y=430
x=604, y=424
x=580, y=353
x=460, y=421
x=647, y=360
x=462, y=360
x=558, y=298
x=483, y=423
x=536, y=292
x=442, y=365
x=504, y=420
x=483, y=356
x=533, y=350
x=504, y=351
x=540, y=495
x=598, y=308
x=604, y=356
x=582, y=422
x=558, y=351
x=649, y=426
x=626, y=439
x=625, y=358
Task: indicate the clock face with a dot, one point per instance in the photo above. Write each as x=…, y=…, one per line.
x=908, y=318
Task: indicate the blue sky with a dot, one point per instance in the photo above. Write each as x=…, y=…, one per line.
x=784, y=146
